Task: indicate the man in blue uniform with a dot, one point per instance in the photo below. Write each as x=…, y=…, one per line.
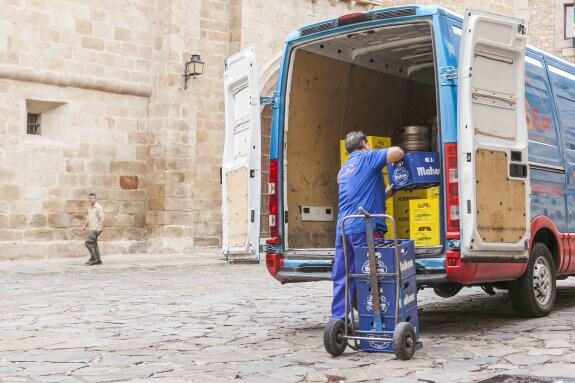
x=361, y=184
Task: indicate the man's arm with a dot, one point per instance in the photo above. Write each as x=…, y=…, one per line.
x=101, y=220
x=394, y=154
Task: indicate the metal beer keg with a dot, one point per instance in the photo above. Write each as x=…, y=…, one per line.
x=414, y=138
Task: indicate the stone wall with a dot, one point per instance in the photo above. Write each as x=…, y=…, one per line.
x=85, y=68
x=545, y=26
x=105, y=75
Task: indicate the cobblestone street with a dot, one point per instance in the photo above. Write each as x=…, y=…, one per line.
x=195, y=318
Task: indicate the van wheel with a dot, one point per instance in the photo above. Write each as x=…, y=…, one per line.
x=533, y=294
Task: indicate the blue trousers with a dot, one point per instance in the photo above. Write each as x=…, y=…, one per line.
x=338, y=272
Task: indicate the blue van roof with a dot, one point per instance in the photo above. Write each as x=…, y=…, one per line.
x=377, y=14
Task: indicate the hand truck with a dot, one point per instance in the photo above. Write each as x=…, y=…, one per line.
x=398, y=336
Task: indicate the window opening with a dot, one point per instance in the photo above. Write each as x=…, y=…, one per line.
x=33, y=123
x=569, y=22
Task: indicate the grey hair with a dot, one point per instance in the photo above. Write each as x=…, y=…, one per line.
x=92, y=195
x=354, y=141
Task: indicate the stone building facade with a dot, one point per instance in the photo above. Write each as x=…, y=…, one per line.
x=92, y=99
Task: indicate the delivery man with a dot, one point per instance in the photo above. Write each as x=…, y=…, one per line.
x=361, y=184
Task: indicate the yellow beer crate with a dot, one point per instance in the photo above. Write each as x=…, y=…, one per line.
x=424, y=234
x=432, y=192
x=375, y=142
x=424, y=222
x=424, y=210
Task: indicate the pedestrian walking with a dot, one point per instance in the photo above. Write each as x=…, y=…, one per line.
x=361, y=184
x=95, y=223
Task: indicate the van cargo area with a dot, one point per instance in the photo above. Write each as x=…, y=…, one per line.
x=374, y=80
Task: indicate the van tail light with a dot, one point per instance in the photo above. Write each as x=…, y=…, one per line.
x=273, y=199
x=451, y=191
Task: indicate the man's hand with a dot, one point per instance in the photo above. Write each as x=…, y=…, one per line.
x=389, y=191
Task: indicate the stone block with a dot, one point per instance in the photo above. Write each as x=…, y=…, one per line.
x=4, y=221
x=67, y=180
x=58, y=220
x=11, y=235
x=207, y=241
x=10, y=192
x=83, y=27
x=156, y=203
x=140, y=220
x=178, y=190
x=92, y=43
x=129, y=167
x=18, y=221
x=36, y=220
x=181, y=204
x=45, y=235
x=70, y=206
x=172, y=231
x=123, y=220
x=133, y=233
x=129, y=182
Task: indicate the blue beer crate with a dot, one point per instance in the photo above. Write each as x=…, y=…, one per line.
x=367, y=329
x=385, y=258
x=387, y=296
x=415, y=170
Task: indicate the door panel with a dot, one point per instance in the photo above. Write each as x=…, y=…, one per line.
x=492, y=140
x=241, y=168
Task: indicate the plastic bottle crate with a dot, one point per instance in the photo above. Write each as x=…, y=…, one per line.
x=385, y=257
x=415, y=170
x=367, y=326
x=387, y=296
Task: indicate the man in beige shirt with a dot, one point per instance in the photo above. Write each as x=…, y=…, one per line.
x=95, y=223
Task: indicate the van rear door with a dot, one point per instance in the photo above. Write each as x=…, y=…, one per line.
x=494, y=189
x=241, y=169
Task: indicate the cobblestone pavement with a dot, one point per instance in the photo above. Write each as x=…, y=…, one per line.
x=194, y=318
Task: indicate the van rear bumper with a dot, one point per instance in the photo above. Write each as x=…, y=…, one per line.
x=298, y=276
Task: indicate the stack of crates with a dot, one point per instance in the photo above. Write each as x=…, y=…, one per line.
x=385, y=260
x=424, y=222
x=407, y=219
x=375, y=142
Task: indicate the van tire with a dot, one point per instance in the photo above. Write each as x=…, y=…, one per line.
x=533, y=294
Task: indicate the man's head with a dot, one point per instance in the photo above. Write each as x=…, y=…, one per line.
x=92, y=198
x=355, y=140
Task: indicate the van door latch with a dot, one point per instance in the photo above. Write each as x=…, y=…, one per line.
x=274, y=100
x=448, y=75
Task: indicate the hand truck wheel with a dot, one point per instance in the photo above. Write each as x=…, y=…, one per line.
x=333, y=337
x=404, y=341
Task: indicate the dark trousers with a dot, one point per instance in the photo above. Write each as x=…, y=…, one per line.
x=92, y=245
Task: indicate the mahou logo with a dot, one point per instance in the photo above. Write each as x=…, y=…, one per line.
x=400, y=176
x=427, y=171
x=382, y=344
x=381, y=267
x=384, y=304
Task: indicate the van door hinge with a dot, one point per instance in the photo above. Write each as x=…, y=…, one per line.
x=274, y=100
x=448, y=75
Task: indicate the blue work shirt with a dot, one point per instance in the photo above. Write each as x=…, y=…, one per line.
x=361, y=184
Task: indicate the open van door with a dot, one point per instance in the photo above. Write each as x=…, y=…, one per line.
x=241, y=169
x=494, y=188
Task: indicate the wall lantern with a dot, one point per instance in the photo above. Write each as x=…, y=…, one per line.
x=194, y=67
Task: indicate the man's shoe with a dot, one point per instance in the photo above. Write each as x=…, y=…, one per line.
x=94, y=262
x=89, y=262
